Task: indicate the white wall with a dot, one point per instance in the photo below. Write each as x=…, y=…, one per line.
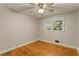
x=69, y=36
x=78, y=28
x=15, y=29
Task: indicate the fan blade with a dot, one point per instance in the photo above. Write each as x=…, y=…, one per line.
x=30, y=10
x=55, y=7
x=50, y=10
x=34, y=4
x=50, y=4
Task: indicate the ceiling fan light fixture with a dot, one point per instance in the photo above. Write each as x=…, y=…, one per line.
x=41, y=11
x=42, y=7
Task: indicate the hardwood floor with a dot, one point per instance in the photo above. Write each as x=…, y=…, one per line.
x=40, y=48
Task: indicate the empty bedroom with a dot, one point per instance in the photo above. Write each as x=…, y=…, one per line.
x=39, y=29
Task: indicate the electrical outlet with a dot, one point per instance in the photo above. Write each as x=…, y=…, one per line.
x=57, y=41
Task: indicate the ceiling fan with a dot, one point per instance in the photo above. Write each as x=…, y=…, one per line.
x=42, y=7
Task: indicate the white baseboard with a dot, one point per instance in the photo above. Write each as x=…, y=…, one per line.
x=58, y=43
x=17, y=47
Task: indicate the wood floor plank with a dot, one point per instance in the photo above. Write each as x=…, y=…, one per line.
x=40, y=48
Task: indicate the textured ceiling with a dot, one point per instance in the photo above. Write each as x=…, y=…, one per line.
x=30, y=10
